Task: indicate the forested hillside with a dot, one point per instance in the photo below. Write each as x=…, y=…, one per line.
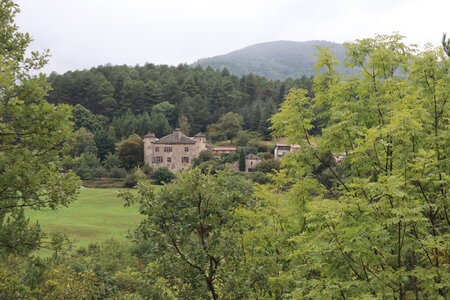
x=275, y=60
x=157, y=97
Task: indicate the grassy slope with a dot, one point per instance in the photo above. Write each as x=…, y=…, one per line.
x=97, y=215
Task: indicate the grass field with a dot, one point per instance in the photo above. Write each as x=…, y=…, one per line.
x=97, y=215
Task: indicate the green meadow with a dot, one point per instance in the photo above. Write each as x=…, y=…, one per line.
x=97, y=215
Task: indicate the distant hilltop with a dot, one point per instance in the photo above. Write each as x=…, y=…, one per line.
x=274, y=60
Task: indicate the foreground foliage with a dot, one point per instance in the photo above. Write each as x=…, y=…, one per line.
x=32, y=136
x=381, y=229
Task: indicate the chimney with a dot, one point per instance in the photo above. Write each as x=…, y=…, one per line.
x=176, y=135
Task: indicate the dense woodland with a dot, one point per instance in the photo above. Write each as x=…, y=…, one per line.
x=374, y=226
x=142, y=98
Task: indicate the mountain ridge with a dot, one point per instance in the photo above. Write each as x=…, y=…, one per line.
x=276, y=60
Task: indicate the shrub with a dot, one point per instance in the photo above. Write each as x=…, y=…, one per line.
x=267, y=166
x=117, y=173
x=130, y=181
x=162, y=175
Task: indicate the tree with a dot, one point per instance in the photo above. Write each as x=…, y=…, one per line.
x=228, y=126
x=184, y=126
x=159, y=124
x=105, y=143
x=162, y=175
x=268, y=166
x=131, y=152
x=383, y=230
x=32, y=140
x=83, y=142
x=446, y=44
x=83, y=117
x=241, y=160
x=195, y=235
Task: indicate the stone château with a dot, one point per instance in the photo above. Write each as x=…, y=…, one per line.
x=174, y=151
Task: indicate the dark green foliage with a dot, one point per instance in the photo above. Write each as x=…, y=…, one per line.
x=130, y=180
x=131, y=152
x=203, y=96
x=162, y=175
x=105, y=143
x=204, y=156
x=268, y=166
x=86, y=166
x=210, y=167
x=159, y=124
x=241, y=160
x=243, y=137
x=83, y=142
x=259, y=177
x=228, y=158
x=83, y=117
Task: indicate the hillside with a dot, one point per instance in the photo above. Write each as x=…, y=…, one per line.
x=274, y=60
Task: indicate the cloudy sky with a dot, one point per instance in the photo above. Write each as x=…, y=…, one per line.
x=85, y=33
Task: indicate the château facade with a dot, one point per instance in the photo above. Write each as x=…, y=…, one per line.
x=174, y=151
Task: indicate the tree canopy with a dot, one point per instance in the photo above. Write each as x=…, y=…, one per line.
x=382, y=228
x=32, y=138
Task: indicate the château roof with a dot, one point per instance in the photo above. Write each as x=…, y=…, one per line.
x=200, y=134
x=176, y=137
x=150, y=135
x=252, y=157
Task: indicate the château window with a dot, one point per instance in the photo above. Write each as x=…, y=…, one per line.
x=167, y=149
x=186, y=149
x=185, y=159
x=169, y=159
x=156, y=149
x=158, y=159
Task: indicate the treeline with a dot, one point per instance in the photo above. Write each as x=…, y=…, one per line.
x=160, y=97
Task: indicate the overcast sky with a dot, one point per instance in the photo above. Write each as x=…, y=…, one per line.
x=82, y=34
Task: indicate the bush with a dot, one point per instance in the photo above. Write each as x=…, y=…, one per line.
x=259, y=177
x=117, y=173
x=204, y=156
x=267, y=166
x=162, y=175
x=229, y=158
x=111, y=161
x=147, y=169
x=267, y=156
x=211, y=166
x=130, y=181
x=100, y=172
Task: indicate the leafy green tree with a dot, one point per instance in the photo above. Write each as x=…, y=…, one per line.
x=382, y=230
x=227, y=127
x=167, y=110
x=32, y=144
x=159, y=124
x=241, y=160
x=83, y=142
x=269, y=166
x=105, y=143
x=86, y=166
x=83, y=117
x=184, y=126
x=243, y=137
x=203, y=156
x=131, y=152
x=196, y=237
x=162, y=175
